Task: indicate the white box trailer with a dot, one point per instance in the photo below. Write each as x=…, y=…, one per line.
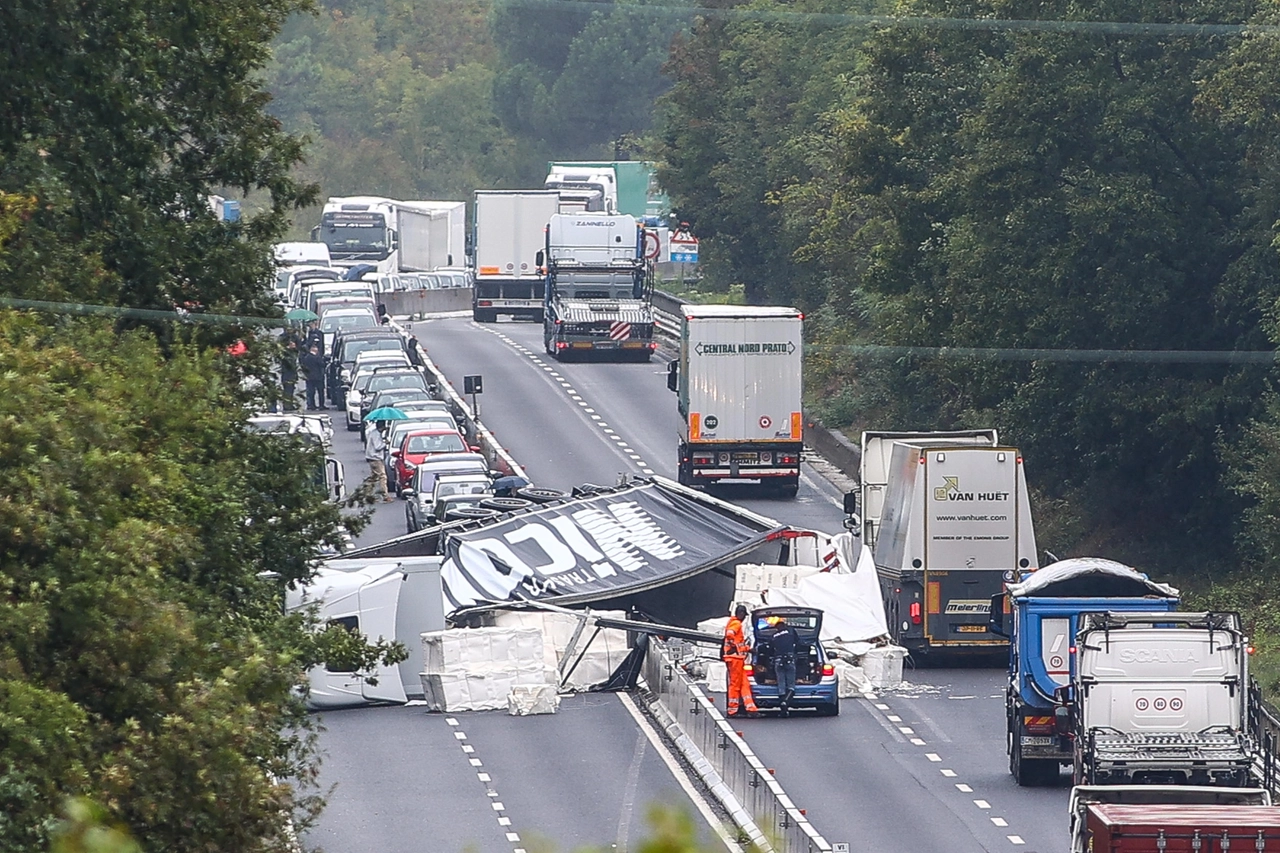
x=509, y=232
x=956, y=526
x=739, y=377
x=441, y=238
x=877, y=453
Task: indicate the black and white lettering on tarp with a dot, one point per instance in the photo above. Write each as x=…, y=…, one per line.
x=595, y=548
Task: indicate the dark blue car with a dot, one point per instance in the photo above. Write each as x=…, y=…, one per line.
x=816, y=682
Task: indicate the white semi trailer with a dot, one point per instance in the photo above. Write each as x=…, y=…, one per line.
x=739, y=377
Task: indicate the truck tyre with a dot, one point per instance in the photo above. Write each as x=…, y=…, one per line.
x=1030, y=772
x=506, y=504
x=469, y=512
x=540, y=495
x=785, y=487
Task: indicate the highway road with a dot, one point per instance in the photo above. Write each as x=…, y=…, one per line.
x=921, y=769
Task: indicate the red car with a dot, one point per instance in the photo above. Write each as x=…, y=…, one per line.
x=418, y=445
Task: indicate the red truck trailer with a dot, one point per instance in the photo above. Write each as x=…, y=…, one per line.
x=1182, y=828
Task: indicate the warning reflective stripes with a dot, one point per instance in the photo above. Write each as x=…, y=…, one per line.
x=619, y=331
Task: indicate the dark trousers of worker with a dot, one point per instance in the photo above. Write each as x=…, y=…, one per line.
x=315, y=395
x=739, y=687
x=785, y=667
x=290, y=396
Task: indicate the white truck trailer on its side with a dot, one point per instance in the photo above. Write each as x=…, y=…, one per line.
x=739, y=377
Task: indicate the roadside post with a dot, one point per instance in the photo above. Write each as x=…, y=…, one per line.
x=473, y=385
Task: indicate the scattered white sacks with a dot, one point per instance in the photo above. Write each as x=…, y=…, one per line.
x=852, y=680
x=475, y=669
x=717, y=676
x=537, y=699
x=883, y=666
x=605, y=652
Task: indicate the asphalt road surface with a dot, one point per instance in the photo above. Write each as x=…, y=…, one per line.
x=914, y=770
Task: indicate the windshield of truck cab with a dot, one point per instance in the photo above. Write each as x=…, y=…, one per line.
x=367, y=233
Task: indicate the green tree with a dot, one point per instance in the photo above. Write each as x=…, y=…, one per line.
x=131, y=113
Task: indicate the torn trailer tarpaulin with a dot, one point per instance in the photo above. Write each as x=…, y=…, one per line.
x=598, y=547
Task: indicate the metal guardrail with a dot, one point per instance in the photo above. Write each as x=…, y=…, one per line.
x=1264, y=725
x=666, y=314
x=756, y=801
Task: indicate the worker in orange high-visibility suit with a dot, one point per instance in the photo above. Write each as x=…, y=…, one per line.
x=734, y=653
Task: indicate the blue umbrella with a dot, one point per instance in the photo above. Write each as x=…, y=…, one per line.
x=355, y=272
x=386, y=413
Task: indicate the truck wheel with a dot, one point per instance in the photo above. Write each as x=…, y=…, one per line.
x=540, y=495
x=789, y=487
x=505, y=504
x=1031, y=772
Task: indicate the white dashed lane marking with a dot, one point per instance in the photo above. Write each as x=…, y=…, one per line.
x=577, y=398
x=893, y=723
x=490, y=792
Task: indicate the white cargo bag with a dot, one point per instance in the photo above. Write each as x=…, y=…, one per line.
x=524, y=701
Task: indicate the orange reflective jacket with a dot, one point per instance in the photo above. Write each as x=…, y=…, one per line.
x=735, y=641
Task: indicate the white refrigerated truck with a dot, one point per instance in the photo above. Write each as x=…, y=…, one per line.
x=509, y=232
x=739, y=379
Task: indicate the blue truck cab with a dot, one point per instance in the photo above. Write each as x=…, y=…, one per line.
x=1039, y=615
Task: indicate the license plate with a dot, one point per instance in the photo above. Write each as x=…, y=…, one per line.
x=606, y=345
x=746, y=457
x=1036, y=740
x=971, y=629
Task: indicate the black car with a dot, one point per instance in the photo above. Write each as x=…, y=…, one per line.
x=343, y=354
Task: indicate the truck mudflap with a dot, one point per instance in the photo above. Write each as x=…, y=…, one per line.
x=1217, y=756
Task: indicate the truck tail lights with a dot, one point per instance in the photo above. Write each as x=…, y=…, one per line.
x=915, y=613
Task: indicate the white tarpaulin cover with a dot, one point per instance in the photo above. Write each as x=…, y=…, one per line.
x=1089, y=577
x=851, y=606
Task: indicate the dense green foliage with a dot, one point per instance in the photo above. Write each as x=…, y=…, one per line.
x=1012, y=188
x=437, y=100
x=145, y=662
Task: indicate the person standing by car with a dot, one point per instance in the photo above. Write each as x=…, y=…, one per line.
x=415, y=357
x=315, y=337
x=784, y=641
x=313, y=370
x=734, y=653
x=374, y=444
x=289, y=373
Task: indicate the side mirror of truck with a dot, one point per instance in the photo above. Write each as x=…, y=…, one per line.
x=540, y=258
x=673, y=376
x=850, y=503
x=853, y=523
x=995, y=616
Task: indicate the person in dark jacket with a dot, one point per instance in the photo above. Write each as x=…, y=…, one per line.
x=313, y=370
x=784, y=641
x=415, y=357
x=315, y=337
x=289, y=374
